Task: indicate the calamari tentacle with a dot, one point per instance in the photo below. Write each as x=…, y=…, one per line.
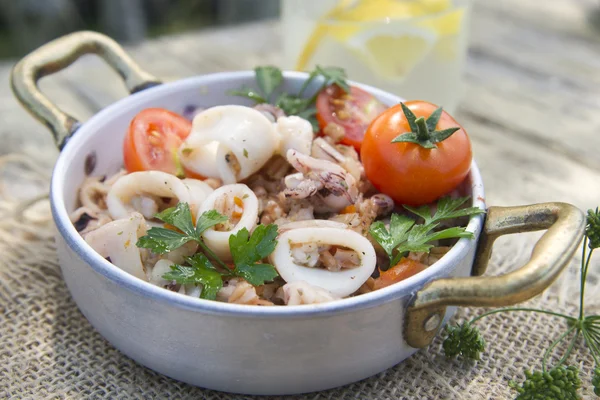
x=336, y=187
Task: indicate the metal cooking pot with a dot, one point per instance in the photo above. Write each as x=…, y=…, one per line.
x=252, y=349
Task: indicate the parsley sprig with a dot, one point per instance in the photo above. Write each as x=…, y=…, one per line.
x=246, y=249
x=405, y=235
x=559, y=381
x=269, y=80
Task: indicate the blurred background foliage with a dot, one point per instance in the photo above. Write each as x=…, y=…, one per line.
x=27, y=24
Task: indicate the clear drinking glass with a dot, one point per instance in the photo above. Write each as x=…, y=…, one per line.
x=413, y=48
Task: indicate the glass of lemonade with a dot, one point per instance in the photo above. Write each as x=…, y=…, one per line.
x=413, y=48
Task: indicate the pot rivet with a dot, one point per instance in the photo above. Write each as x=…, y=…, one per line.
x=432, y=322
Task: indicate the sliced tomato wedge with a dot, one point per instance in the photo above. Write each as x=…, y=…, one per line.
x=153, y=139
x=353, y=112
x=405, y=268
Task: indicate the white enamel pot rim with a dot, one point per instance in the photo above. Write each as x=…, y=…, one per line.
x=61, y=217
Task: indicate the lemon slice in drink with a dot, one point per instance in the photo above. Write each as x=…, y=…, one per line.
x=374, y=32
x=392, y=51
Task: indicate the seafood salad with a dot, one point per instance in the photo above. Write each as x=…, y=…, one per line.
x=302, y=198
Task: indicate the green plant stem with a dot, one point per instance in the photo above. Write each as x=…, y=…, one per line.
x=553, y=345
x=584, y=272
x=570, y=319
x=570, y=348
x=592, y=344
x=213, y=256
x=594, y=333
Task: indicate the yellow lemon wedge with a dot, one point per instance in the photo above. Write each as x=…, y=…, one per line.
x=392, y=51
x=375, y=32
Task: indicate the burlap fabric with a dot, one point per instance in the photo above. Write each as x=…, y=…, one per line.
x=49, y=350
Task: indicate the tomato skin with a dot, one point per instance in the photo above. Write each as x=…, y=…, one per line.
x=152, y=140
x=407, y=172
x=405, y=268
x=353, y=112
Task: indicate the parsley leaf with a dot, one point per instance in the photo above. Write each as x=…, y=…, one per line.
x=180, y=217
x=404, y=235
x=447, y=208
x=248, y=250
x=292, y=104
x=268, y=79
x=163, y=240
x=389, y=240
x=201, y=271
x=208, y=219
x=256, y=274
x=334, y=75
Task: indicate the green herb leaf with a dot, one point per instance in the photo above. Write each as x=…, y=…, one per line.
x=208, y=219
x=249, y=93
x=334, y=75
x=451, y=233
x=379, y=232
x=248, y=250
x=200, y=272
x=162, y=240
x=447, y=208
x=291, y=104
x=256, y=274
x=268, y=78
x=180, y=217
x=398, y=233
x=405, y=236
x=416, y=240
x=400, y=225
x=310, y=114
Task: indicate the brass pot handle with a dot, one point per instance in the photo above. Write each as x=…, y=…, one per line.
x=59, y=54
x=565, y=225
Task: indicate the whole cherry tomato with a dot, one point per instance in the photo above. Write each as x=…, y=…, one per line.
x=415, y=153
x=352, y=112
x=152, y=141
